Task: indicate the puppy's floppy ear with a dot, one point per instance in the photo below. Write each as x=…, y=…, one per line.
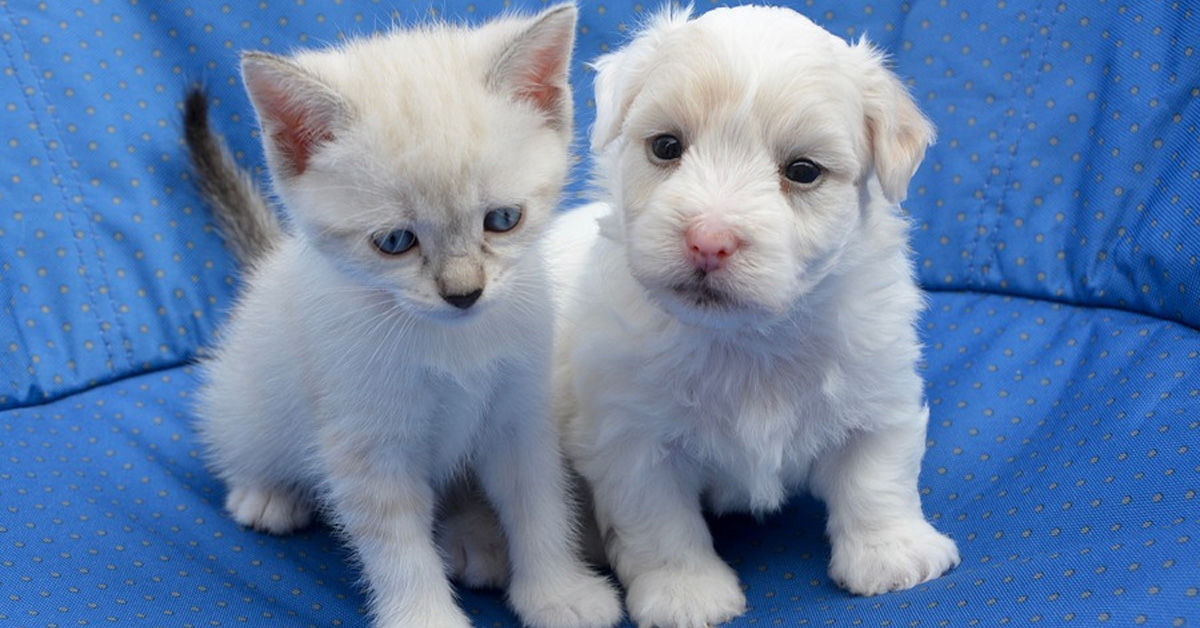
x=622, y=74
x=298, y=113
x=897, y=130
x=613, y=97
x=536, y=65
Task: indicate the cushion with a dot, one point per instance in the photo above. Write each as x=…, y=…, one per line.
x=1054, y=224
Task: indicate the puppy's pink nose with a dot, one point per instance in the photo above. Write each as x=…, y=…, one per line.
x=709, y=246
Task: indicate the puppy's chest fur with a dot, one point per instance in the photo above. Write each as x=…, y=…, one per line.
x=751, y=413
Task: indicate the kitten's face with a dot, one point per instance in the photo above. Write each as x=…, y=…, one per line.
x=741, y=144
x=424, y=163
x=437, y=215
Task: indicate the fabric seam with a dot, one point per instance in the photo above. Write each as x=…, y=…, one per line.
x=987, y=223
x=67, y=199
x=1009, y=174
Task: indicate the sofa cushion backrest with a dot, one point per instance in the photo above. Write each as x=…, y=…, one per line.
x=1067, y=166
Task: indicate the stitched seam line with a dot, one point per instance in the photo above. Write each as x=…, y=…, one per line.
x=1024, y=118
x=68, y=203
x=68, y=392
x=16, y=384
x=981, y=227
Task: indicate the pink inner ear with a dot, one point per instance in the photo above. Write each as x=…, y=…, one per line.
x=296, y=138
x=297, y=125
x=537, y=82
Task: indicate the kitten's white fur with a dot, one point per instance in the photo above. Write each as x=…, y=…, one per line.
x=345, y=379
x=791, y=367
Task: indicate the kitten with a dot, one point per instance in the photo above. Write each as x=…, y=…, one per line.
x=740, y=325
x=395, y=340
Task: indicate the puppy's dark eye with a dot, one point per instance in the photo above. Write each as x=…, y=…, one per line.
x=395, y=242
x=666, y=147
x=802, y=171
x=502, y=219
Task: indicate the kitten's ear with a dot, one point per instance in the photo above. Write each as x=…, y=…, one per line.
x=536, y=65
x=620, y=75
x=298, y=112
x=897, y=130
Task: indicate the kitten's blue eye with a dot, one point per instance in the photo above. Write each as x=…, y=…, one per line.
x=502, y=219
x=395, y=242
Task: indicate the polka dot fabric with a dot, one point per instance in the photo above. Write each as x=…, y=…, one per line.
x=109, y=264
x=1055, y=223
x=1068, y=164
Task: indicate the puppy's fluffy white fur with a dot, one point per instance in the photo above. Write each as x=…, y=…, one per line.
x=790, y=366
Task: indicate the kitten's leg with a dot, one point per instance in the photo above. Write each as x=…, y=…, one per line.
x=277, y=511
x=255, y=439
x=259, y=468
x=385, y=506
x=470, y=537
x=881, y=541
x=648, y=509
x=521, y=469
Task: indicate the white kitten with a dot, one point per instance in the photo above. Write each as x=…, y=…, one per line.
x=741, y=326
x=398, y=340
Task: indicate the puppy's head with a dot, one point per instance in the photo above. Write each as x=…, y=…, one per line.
x=742, y=147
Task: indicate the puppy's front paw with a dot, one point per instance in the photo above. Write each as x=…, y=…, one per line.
x=685, y=596
x=891, y=560
x=579, y=600
x=267, y=510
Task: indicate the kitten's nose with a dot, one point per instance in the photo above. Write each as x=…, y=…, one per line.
x=463, y=301
x=709, y=246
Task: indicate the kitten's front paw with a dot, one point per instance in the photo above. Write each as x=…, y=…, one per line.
x=580, y=600
x=267, y=510
x=685, y=596
x=891, y=560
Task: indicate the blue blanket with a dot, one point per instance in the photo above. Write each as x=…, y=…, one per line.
x=1056, y=225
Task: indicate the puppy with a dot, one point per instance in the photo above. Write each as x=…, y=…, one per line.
x=739, y=316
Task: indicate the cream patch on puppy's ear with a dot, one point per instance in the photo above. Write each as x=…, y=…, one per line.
x=621, y=75
x=897, y=130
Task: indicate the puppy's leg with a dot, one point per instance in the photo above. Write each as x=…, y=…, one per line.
x=520, y=468
x=649, y=513
x=881, y=541
x=470, y=537
x=385, y=508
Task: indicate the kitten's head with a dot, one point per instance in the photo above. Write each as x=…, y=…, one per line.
x=746, y=149
x=424, y=162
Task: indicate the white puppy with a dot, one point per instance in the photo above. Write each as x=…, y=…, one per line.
x=740, y=324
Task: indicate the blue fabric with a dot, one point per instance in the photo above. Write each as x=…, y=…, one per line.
x=1055, y=224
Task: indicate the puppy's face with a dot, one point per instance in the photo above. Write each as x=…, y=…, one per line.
x=739, y=146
